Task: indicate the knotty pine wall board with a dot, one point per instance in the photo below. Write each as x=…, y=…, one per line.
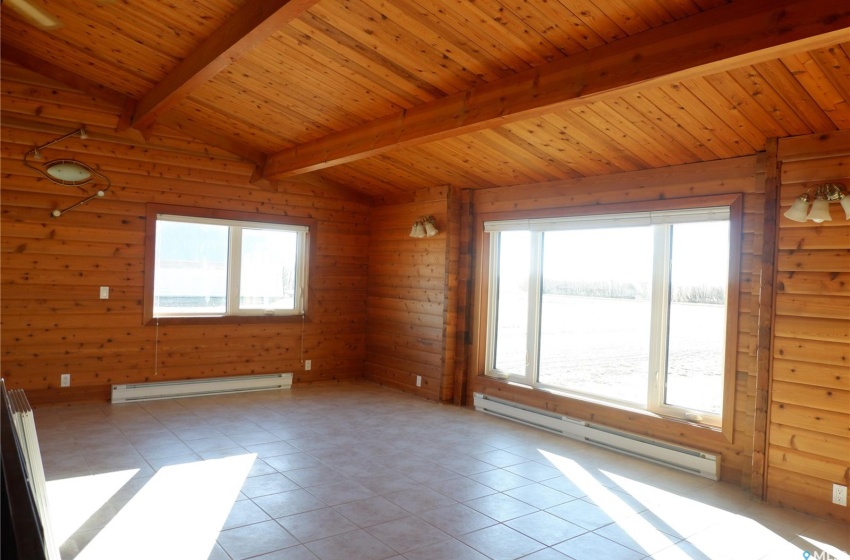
x=53, y=319
x=406, y=336
x=809, y=421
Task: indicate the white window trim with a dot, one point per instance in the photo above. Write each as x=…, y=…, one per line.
x=234, y=267
x=660, y=295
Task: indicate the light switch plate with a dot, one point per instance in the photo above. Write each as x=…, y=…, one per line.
x=104, y=292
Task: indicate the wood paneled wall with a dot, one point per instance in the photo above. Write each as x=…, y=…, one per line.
x=53, y=319
x=407, y=309
x=809, y=430
x=741, y=175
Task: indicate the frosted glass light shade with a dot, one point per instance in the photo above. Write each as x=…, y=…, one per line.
x=68, y=171
x=845, y=203
x=798, y=210
x=820, y=211
x=418, y=230
x=430, y=230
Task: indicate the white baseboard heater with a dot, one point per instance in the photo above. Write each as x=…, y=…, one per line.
x=675, y=456
x=199, y=387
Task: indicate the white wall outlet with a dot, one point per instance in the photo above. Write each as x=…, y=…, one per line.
x=418, y=380
x=104, y=292
x=308, y=365
x=65, y=380
x=839, y=495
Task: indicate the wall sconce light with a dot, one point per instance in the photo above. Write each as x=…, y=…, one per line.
x=67, y=172
x=424, y=227
x=823, y=195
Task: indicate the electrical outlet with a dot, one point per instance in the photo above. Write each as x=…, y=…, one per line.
x=839, y=495
x=65, y=380
x=308, y=365
x=418, y=380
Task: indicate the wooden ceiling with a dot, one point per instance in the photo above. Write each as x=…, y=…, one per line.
x=389, y=96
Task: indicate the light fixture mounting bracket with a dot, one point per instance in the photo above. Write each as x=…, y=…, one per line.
x=67, y=172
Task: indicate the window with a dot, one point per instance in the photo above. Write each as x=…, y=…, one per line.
x=623, y=308
x=219, y=267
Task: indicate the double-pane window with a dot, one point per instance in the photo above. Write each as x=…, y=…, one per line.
x=625, y=308
x=213, y=267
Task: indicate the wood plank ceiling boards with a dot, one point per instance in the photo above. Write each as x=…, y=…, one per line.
x=375, y=95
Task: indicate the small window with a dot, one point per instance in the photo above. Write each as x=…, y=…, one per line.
x=626, y=308
x=207, y=267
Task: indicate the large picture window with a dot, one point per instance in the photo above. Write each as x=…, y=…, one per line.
x=625, y=308
x=216, y=267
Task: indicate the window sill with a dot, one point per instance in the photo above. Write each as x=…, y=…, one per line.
x=626, y=408
x=228, y=320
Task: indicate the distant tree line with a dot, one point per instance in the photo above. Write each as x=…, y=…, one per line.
x=627, y=290
x=699, y=294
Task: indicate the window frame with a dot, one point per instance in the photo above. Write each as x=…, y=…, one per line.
x=482, y=356
x=227, y=217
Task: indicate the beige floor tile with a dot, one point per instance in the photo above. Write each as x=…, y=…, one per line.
x=501, y=507
x=457, y=519
x=255, y=539
x=371, y=511
x=289, y=503
x=545, y=527
x=591, y=546
x=502, y=543
x=356, y=545
x=317, y=524
x=419, y=500
x=407, y=533
x=403, y=474
x=337, y=493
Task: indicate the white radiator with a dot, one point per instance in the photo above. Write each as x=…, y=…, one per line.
x=675, y=456
x=24, y=425
x=199, y=387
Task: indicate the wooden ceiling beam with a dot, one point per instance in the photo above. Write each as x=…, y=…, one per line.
x=741, y=33
x=249, y=26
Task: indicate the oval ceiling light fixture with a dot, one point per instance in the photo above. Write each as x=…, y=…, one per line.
x=70, y=172
x=67, y=172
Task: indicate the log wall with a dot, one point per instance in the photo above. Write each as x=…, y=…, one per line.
x=407, y=311
x=809, y=430
x=741, y=175
x=53, y=321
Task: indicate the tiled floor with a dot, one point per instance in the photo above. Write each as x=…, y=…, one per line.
x=358, y=472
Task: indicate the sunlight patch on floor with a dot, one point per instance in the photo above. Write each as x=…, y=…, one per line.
x=638, y=529
x=177, y=514
x=818, y=550
x=715, y=531
x=74, y=500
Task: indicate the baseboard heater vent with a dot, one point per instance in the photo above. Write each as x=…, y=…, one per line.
x=199, y=387
x=675, y=456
